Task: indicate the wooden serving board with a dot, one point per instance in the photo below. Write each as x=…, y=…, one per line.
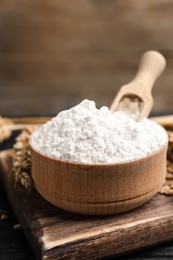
x=56, y=234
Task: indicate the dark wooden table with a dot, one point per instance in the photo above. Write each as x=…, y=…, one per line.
x=14, y=245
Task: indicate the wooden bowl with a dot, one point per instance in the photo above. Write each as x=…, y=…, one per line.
x=98, y=189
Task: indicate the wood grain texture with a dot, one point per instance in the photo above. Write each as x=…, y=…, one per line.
x=53, y=54
x=56, y=234
x=98, y=189
x=151, y=65
x=13, y=243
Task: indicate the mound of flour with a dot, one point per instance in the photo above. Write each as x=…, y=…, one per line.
x=89, y=135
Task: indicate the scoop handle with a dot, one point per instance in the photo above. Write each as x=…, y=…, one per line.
x=151, y=66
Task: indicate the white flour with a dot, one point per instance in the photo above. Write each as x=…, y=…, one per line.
x=89, y=135
x=132, y=107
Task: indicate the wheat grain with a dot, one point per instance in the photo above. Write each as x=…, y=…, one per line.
x=21, y=164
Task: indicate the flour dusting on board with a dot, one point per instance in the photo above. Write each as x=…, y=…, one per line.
x=89, y=135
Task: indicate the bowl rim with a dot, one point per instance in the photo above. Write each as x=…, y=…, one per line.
x=165, y=146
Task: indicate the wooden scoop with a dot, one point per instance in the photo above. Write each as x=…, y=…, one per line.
x=151, y=66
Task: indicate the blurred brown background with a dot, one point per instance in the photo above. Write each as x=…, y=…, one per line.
x=55, y=53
